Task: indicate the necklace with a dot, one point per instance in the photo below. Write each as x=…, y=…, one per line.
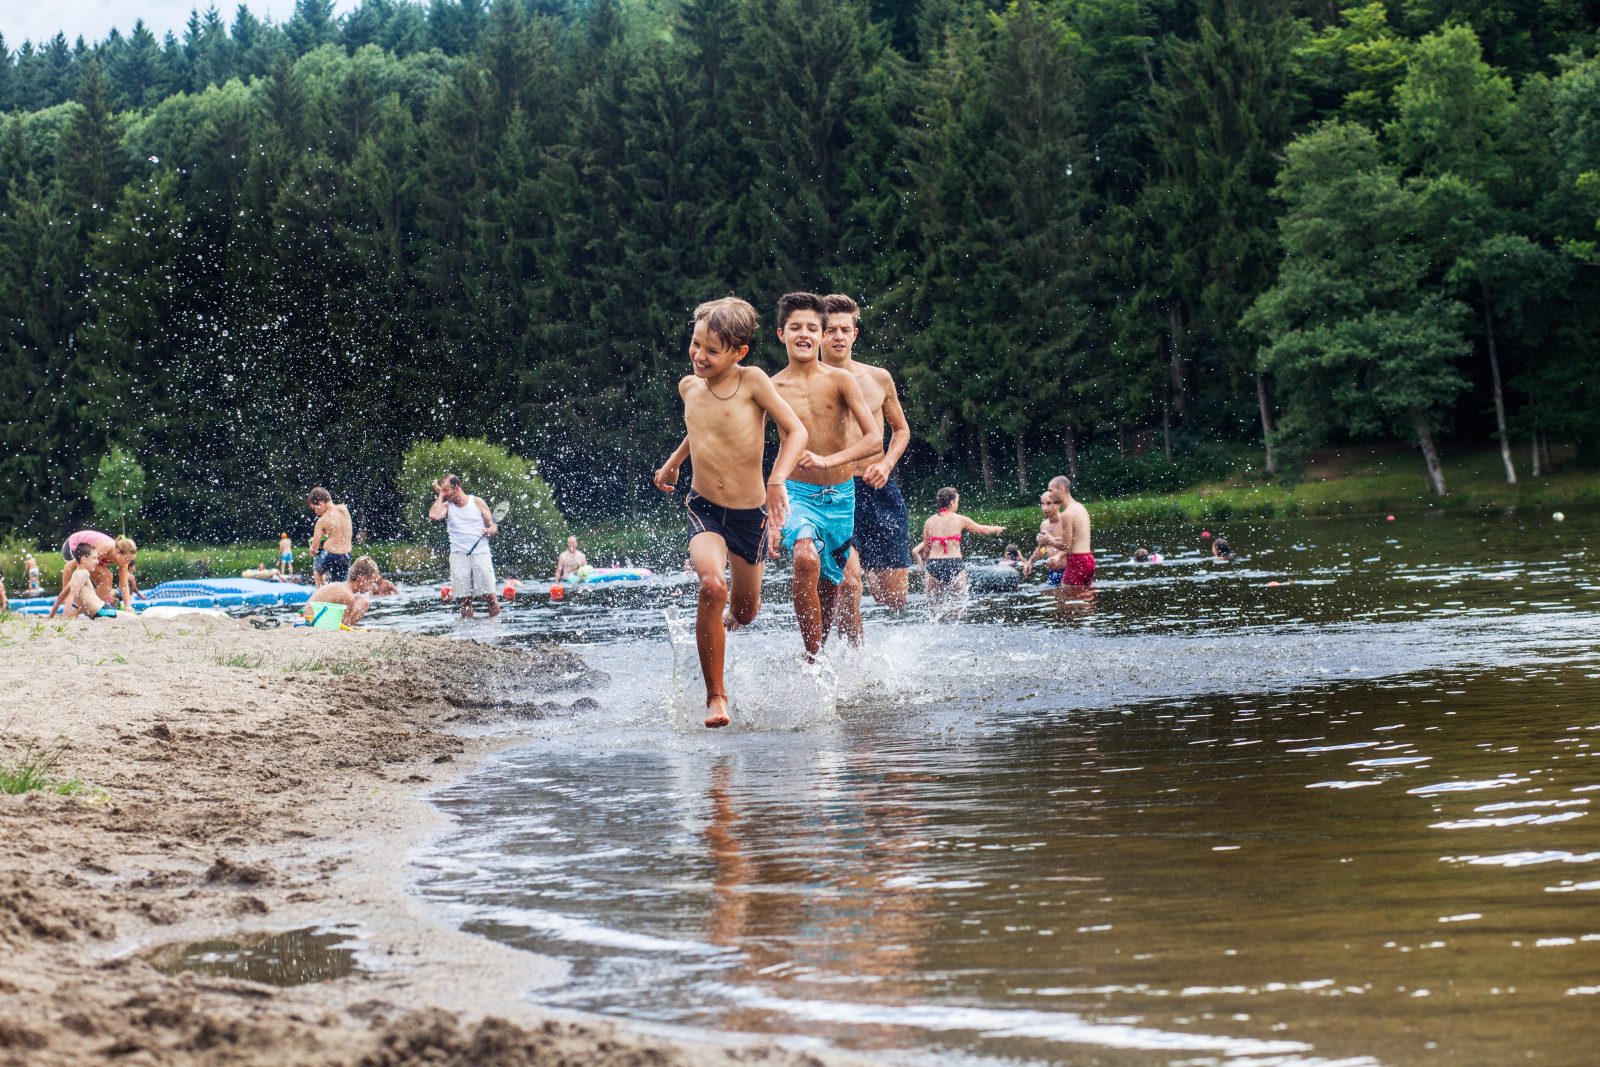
x=737, y=382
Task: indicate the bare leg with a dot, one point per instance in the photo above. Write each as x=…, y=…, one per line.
x=492, y=602
x=709, y=555
x=849, y=600
x=807, y=602
x=828, y=601
x=889, y=588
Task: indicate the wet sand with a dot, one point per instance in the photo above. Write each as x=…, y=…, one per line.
x=239, y=780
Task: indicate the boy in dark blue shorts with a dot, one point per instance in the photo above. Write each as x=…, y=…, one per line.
x=731, y=515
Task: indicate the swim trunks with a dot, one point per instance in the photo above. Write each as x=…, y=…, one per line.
x=1053, y=577
x=827, y=515
x=945, y=570
x=744, y=529
x=336, y=565
x=287, y=557
x=883, y=527
x=1079, y=569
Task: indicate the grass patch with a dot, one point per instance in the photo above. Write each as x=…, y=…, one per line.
x=245, y=660
x=333, y=665
x=31, y=773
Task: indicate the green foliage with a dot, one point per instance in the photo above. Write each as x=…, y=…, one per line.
x=31, y=772
x=117, y=489
x=533, y=530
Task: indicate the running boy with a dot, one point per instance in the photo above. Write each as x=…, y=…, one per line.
x=883, y=524
x=822, y=492
x=725, y=408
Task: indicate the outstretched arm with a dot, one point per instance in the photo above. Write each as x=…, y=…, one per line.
x=66, y=587
x=794, y=437
x=979, y=528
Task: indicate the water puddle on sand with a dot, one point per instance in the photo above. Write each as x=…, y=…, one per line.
x=292, y=957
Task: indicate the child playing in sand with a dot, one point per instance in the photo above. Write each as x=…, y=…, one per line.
x=939, y=552
x=78, y=592
x=725, y=407
x=353, y=592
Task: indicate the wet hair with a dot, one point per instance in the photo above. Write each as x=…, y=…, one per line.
x=364, y=567
x=1220, y=547
x=83, y=551
x=946, y=496
x=1013, y=550
x=731, y=320
x=839, y=304
x=319, y=495
x=789, y=303
x=1141, y=554
x=126, y=546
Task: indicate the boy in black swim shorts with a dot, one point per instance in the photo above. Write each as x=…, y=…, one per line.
x=730, y=511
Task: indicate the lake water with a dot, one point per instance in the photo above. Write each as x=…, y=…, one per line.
x=1198, y=819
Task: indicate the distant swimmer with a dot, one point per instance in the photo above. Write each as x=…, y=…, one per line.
x=939, y=552
x=732, y=517
x=1013, y=557
x=822, y=490
x=882, y=555
x=1220, y=549
x=331, y=538
x=1144, y=555
x=571, y=561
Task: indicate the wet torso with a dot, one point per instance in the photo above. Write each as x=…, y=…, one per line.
x=725, y=441
x=337, y=528
x=818, y=401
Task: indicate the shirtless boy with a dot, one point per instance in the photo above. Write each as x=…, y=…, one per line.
x=353, y=592
x=571, y=561
x=725, y=408
x=1050, y=510
x=77, y=589
x=822, y=491
x=883, y=523
x=1070, y=553
x=330, y=538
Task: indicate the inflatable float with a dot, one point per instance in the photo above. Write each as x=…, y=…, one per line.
x=992, y=577
x=198, y=593
x=603, y=575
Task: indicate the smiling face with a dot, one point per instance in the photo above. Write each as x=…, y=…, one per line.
x=801, y=335
x=710, y=355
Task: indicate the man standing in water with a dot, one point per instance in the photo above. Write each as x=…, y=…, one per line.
x=330, y=537
x=571, y=561
x=883, y=524
x=470, y=525
x=822, y=492
x=1068, y=538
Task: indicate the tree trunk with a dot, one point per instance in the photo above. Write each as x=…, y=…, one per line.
x=1430, y=454
x=1022, y=466
x=1544, y=449
x=1499, y=394
x=1533, y=442
x=1173, y=326
x=1266, y=424
x=1166, y=430
x=987, y=462
x=1122, y=441
x=973, y=437
x=1072, y=455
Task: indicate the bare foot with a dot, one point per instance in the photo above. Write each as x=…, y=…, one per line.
x=729, y=623
x=494, y=607
x=466, y=611
x=716, y=712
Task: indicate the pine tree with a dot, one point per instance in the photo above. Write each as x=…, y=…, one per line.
x=92, y=163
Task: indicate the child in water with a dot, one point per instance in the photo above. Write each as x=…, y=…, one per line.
x=1144, y=555
x=939, y=552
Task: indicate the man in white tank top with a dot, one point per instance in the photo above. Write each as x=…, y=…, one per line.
x=470, y=525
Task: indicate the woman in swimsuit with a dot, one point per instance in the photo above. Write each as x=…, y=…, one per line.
x=939, y=554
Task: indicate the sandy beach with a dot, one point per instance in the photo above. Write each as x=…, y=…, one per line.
x=237, y=780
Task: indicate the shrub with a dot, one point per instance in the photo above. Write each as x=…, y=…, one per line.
x=118, y=489
x=534, y=529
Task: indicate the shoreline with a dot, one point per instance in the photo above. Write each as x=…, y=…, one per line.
x=258, y=781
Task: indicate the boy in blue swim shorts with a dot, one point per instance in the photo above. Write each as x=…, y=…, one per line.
x=822, y=494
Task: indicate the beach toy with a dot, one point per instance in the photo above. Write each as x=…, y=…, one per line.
x=509, y=592
x=1204, y=534
x=195, y=593
x=1559, y=517
x=444, y=592
x=325, y=616
x=558, y=592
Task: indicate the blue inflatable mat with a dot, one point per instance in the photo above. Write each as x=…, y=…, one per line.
x=197, y=593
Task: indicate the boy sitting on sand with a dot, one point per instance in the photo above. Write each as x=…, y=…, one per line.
x=78, y=592
x=730, y=513
x=352, y=593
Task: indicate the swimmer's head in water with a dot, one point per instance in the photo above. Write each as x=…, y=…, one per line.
x=946, y=497
x=1141, y=555
x=1221, y=549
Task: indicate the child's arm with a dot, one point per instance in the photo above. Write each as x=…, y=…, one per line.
x=318, y=533
x=66, y=587
x=866, y=445
x=894, y=415
x=794, y=437
x=667, y=475
x=918, y=549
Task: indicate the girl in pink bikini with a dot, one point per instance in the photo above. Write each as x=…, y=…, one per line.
x=939, y=553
